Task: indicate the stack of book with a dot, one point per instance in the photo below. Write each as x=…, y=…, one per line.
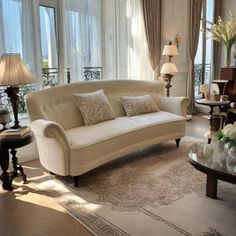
x=15, y=133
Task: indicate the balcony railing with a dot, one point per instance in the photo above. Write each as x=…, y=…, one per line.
x=49, y=79
x=50, y=75
x=198, y=76
x=92, y=73
x=5, y=102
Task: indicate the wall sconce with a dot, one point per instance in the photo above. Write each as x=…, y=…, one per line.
x=170, y=51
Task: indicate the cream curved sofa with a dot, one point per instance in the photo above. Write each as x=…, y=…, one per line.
x=67, y=147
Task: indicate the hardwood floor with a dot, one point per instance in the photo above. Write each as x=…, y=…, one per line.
x=26, y=211
x=198, y=126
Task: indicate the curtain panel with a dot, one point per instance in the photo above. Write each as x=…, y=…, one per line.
x=125, y=50
x=138, y=65
x=81, y=36
x=2, y=40
x=194, y=12
x=216, y=45
x=18, y=32
x=152, y=21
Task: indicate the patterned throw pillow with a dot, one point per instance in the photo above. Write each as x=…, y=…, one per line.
x=138, y=105
x=94, y=107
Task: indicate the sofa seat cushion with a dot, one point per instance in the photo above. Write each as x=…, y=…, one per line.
x=84, y=136
x=99, y=143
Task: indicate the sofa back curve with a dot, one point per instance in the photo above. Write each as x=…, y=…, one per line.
x=57, y=103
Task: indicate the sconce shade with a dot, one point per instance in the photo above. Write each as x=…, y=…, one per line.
x=204, y=88
x=170, y=50
x=13, y=71
x=169, y=68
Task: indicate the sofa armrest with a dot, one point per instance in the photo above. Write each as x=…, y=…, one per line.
x=176, y=105
x=53, y=146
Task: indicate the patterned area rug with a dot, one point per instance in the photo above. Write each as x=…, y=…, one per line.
x=152, y=192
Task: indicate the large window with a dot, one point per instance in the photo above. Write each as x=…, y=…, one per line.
x=68, y=41
x=82, y=36
x=49, y=49
x=203, y=59
x=16, y=30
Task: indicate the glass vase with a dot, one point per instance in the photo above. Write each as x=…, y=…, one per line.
x=231, y=160
x=228, y=56
x=219, y=157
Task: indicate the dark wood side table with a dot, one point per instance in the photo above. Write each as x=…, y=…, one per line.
x=229, y=73
x=11, y=144
x=212, y=104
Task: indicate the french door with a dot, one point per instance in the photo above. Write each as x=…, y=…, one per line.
x=49, y=43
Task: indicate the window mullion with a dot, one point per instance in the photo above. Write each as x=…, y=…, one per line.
x=203, y=42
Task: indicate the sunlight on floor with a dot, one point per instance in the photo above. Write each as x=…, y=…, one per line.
x=40, y=200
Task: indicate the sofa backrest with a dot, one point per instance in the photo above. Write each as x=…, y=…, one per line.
x=57, y=103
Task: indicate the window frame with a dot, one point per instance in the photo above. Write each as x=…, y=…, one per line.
x=203, y=70
x=59, y=38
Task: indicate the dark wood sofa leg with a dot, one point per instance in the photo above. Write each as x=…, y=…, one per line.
x=76, y=180
x=177, y=142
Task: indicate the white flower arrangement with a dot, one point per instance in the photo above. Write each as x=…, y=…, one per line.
x=225, y=31
x=228, y=134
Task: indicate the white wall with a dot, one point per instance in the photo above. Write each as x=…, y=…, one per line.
x=174, y=20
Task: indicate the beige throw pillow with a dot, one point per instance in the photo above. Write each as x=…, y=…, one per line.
x=94, y=107
x=138, y=105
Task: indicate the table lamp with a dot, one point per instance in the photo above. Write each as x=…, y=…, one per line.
x=204, y=89
x=14, y=72
x=168, y=70
x=170, y=50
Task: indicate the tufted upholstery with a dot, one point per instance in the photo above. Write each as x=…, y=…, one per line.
x=49, y=103
x=67, y=147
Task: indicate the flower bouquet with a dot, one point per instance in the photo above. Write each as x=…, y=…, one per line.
x=228, y=136
x=225, y=32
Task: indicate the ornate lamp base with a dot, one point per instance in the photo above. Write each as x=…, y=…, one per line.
x=12, y=93
x=167, y=79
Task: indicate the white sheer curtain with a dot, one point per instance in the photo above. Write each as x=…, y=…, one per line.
x=138, y=61
x=82, y=35
x=16, y=30
x=124, y=44
x=48, y=35
x=2, y=40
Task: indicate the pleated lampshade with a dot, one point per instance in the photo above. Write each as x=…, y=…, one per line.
x=13, y=71
x=170, y=50
x=169, y=68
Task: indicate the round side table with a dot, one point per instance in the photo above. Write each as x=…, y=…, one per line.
x=10, y=144
x=211, y=104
